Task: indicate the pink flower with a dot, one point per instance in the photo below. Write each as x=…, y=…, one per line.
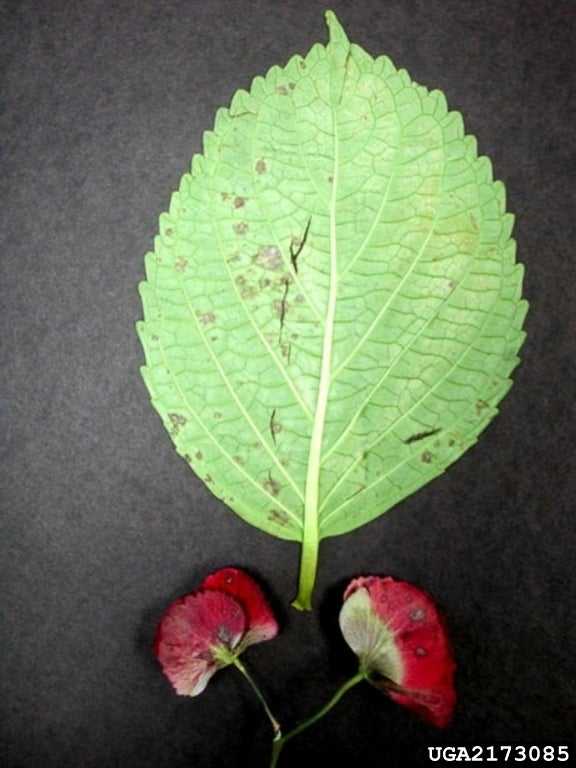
x=398, y=634
x=207, y=630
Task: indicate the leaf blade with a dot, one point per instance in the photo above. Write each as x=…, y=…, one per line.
x=332, y=311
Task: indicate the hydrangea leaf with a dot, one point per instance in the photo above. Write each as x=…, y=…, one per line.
x=332, y=310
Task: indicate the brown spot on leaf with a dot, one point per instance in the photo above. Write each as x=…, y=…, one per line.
x=249, y=292
x=282, y=90
x=283, y=307
x=180, y=264
x=206, y=318
x=279, y=308
x=361, y=487
x=169, y=231
x=481, y=405
x=426, y=457
x=177, y=421
x=217, y=415
x=238, y=459
x=261, y=166
x=239, y=202
x=272, y=486
x=268, y=257
x=274, y=426
x=241, y=228
x=225, y=196
x=208, y=479
x=297, y=244
x=199, y=455
x=278, y=516
x=291, y=86
x=421, y=435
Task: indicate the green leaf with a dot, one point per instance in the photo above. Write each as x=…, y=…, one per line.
x=333, y=307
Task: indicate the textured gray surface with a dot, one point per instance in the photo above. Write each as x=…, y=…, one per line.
x=102, y=107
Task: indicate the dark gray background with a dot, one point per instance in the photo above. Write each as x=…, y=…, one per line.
x=102, y=106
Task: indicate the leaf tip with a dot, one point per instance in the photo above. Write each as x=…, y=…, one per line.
x=335, y=29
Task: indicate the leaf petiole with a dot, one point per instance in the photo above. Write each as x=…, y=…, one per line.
x=308, y=567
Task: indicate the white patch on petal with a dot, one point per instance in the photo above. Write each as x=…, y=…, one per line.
x=369, y=636
x=259, y=634
x=235, y=640
x=194, y=677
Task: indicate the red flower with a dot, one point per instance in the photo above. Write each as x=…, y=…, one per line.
x=206, y=630
x=397, y=632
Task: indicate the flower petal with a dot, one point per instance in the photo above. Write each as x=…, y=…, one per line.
x=261, y=623
x=397, y=631
x=189, y=633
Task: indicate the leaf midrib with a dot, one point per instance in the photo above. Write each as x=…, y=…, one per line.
x=310, y=539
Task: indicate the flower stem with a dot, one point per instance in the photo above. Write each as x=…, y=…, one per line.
x=280, y=741
x=275, y=724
